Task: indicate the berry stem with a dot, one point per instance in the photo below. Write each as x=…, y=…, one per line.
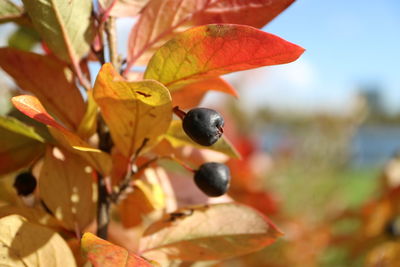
x=178, y=112
x=183, y=164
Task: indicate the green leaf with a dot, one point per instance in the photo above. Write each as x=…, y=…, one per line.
x=134, y=111
x=19, y=145
x=18, y=127
x=211, y=232
x=24, y=38
x=26, y=244
x=177, y=138
x=66, y=188
x=65, y=26
x=217, y=49
x=9, y=11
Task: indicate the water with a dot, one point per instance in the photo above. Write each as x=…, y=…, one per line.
x=372, y=145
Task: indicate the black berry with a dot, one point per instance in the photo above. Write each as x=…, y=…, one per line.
x=393, y=227
x=213, y=178
x=25, y=183
x=203, y=125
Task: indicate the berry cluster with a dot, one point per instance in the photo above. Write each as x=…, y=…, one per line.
x=204, y=126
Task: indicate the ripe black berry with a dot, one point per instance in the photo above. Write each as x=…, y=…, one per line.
x=393, y=227
x=203, y=125
x=25, y=183
x=213, y=178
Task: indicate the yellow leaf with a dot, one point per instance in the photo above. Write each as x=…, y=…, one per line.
x=65, y=184
x=150, y=186
x=89, y=122
x=211, y=232
x=177, y=138
x=133, y=111
x=148, y=196
x=28, y=244
x=34, y=215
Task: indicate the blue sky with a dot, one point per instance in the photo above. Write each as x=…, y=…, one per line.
x=349, y=43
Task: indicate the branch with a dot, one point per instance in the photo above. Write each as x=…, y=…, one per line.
x=103, y=202
x=103, y=208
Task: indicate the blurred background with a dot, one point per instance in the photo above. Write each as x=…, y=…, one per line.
x=329, y=125
x=320, y=137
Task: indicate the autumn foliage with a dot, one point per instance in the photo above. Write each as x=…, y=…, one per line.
x=106, y=147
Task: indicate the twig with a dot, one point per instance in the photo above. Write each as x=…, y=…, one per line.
x=125, y=183
x=110, y=29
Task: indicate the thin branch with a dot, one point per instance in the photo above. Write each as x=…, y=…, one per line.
x=135, y=156
x=110, y=28
x=125, y=183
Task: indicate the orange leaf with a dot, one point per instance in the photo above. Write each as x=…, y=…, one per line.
x=213, y=50
x=385, y=254
x=49, y=79
x=66, y=188
x=254, y=13
x=134, y=111
x=102, y=253
x=191, y=95
x=211, y=232
x=31, y=106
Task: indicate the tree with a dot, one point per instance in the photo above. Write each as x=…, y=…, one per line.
x=99, y=152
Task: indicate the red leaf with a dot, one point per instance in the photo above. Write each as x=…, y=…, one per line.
x=152, y=30
x=191, y=95
x=158, y=19
x=102, y=253
x=48, y=79
x=254, y=13
x=213, y=50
